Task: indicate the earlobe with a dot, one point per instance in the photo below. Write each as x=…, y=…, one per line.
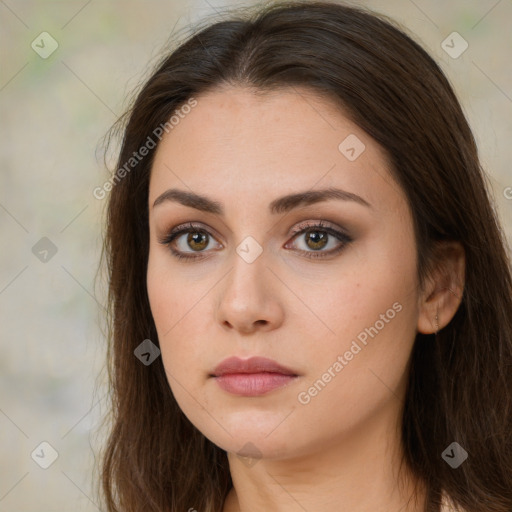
x=443, y=295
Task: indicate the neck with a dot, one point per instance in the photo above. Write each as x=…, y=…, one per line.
x=357, y=472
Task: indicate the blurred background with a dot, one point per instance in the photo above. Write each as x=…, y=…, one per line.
x=67, y=68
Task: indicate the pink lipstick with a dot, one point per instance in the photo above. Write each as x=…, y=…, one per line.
x=252, y=377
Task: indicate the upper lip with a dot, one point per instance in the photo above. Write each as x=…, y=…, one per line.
x=251, y=365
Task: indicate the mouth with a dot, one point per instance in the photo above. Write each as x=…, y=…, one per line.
x=252, y=377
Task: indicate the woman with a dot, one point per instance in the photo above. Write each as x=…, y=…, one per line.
x=310, y=296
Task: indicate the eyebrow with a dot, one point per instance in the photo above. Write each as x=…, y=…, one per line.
x=281, y=205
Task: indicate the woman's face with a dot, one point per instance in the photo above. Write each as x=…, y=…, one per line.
x=340, y=311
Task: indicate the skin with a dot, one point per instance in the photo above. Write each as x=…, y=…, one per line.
x=340, y=451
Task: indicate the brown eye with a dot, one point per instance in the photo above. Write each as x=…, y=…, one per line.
x=197, y=240
x=312, y=239
x=316, y=239
x=196, y=244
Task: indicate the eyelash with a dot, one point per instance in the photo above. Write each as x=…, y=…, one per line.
x=299, y=230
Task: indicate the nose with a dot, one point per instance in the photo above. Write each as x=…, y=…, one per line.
x=250, y=299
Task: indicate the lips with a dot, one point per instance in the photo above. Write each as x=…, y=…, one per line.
x=235, y=365
x=252, y=377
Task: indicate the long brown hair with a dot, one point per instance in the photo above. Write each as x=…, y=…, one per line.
x=460, y=383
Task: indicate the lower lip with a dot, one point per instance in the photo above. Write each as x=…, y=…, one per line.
x=253, y=384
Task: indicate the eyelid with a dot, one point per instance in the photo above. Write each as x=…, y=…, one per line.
x=316, y=223
x=182, y=228
x=319, y=224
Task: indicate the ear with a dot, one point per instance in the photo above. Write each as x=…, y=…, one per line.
x=443, y=290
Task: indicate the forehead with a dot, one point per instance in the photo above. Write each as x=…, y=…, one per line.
x=245, y=144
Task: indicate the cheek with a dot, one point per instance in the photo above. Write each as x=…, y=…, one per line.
x=172, y=304
x=365, y=292
x=372, y=313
